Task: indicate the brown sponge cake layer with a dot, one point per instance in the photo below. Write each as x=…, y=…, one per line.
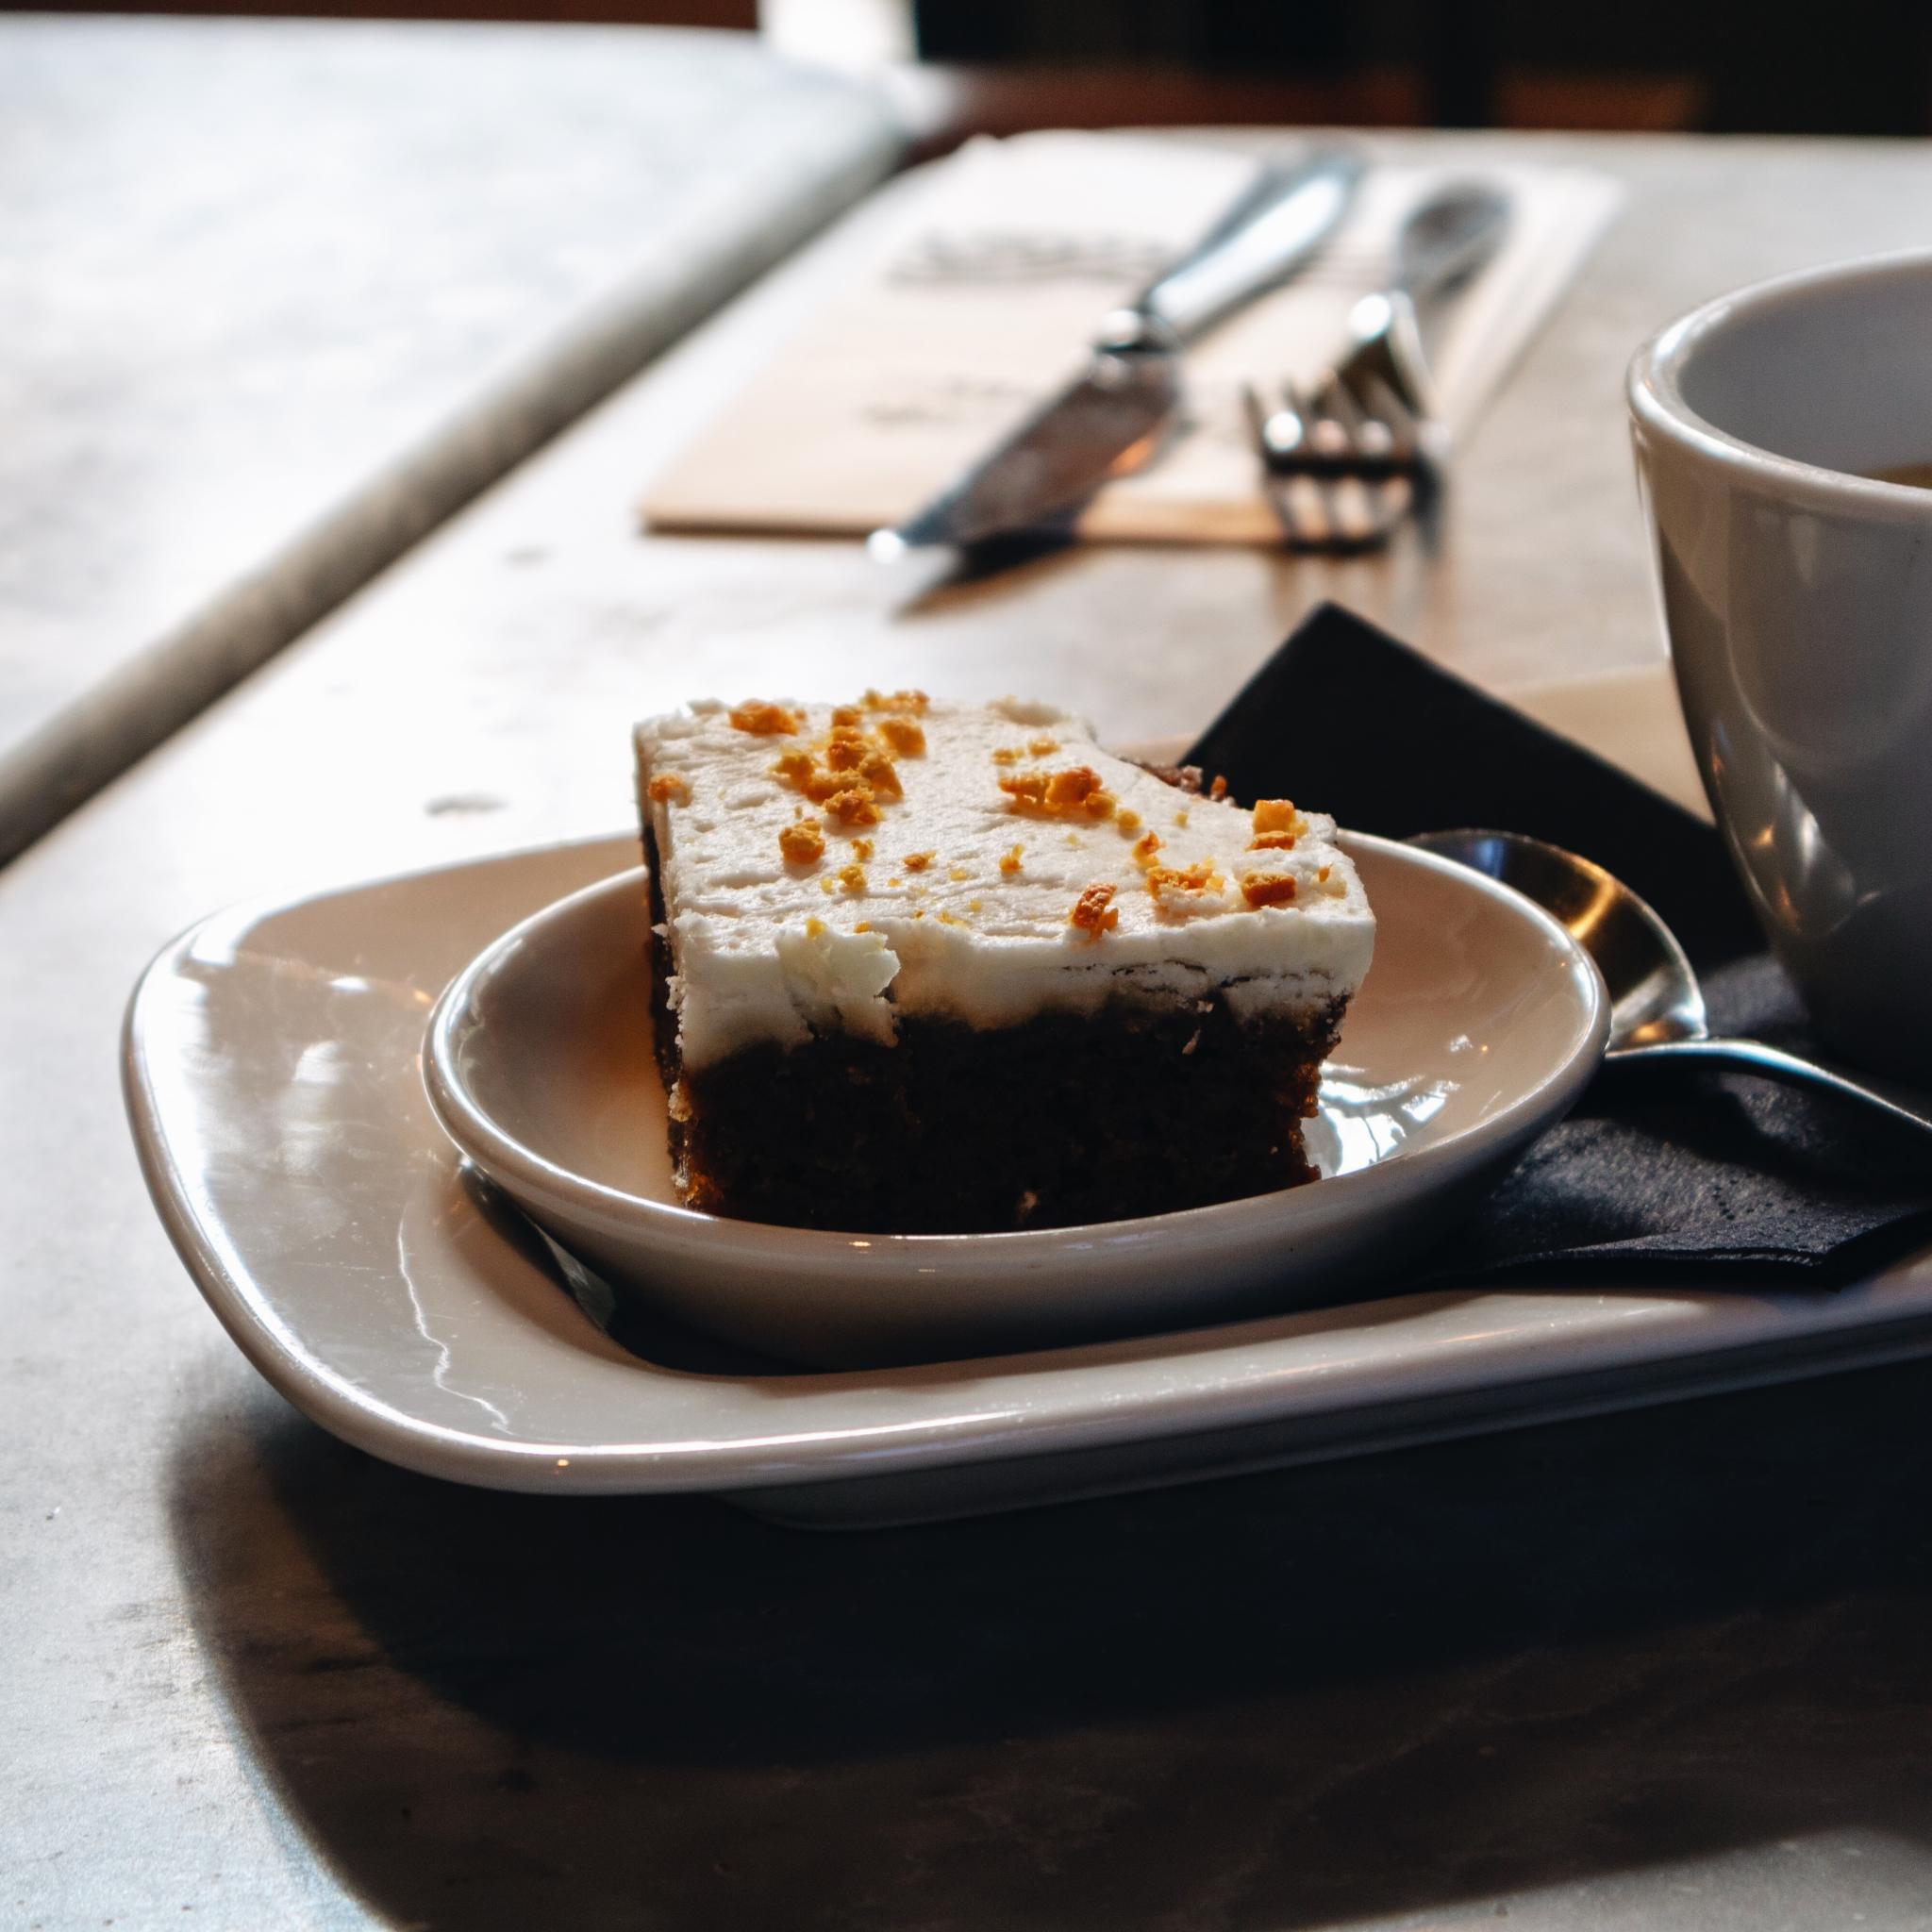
x=1059, y=1121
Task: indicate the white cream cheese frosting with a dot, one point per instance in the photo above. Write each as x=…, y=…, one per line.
x=840, y=868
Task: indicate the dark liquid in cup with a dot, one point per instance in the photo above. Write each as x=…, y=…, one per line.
x=1917, y=475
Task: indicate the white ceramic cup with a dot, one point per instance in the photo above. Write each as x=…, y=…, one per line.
x=1798, y=595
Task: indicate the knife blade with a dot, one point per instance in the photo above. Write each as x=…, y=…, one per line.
x=1111, y=419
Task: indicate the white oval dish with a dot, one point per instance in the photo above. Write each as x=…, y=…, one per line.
x=1477, y=1029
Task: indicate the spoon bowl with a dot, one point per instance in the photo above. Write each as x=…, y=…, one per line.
x=1657, y=1006
x=1653, y=991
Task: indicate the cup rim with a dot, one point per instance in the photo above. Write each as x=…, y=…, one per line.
x=1655, y=399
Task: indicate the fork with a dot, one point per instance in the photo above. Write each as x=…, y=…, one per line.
x=1343, y=465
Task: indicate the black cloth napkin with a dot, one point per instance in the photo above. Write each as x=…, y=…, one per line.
x=1661, y=1172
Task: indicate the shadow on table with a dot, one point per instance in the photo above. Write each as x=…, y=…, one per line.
x=1365, y=1688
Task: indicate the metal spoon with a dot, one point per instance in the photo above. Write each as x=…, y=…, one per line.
x=1656, y=1009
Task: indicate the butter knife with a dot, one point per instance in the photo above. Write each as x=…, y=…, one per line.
x=1109, y=421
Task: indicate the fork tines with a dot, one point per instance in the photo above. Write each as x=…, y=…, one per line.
x=1343, y=465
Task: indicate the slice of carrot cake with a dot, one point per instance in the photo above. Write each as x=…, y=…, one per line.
x=932, y=967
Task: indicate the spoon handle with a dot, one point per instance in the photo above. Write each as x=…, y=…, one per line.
x=1755, y=1057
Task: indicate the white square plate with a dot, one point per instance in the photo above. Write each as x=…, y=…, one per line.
x=273, y=1082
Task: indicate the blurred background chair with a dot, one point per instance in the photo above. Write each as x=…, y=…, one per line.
x=964, y=67
x=1649, y=65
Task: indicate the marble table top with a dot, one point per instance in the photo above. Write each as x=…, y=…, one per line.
x=1662, y=1669
x=279, y=295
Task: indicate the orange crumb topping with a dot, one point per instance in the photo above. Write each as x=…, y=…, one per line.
x=854, y=806
x=1166, y=881
x=853, y=878
x=1276, y=815
x=762, y=720
x=814, y=928
x=1073, y=787
x=1146, y=848
x=1180, y=818
x=958, y=872
x=1272, y=842
x=801, y=842
x=1060, y=794
x=1128, y=819
x=861, y=848
x=847, y=750
x=907, y=736
x=824, y=885
x=896, y=701
x=669, y=787
x=863, y=925
x=918, y=862
x=1094, y=912
x=1007, y=755
x=1044, y=747
x=1219, y=788
x=1266, y=889
x=1011, y=860
x=801, y=769
x=855, y=774
x=1322, y=876
x=879, y=771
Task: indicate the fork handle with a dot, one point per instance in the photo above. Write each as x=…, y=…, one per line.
x=1276, y=225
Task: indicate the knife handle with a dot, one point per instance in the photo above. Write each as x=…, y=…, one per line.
x=1280, y=219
